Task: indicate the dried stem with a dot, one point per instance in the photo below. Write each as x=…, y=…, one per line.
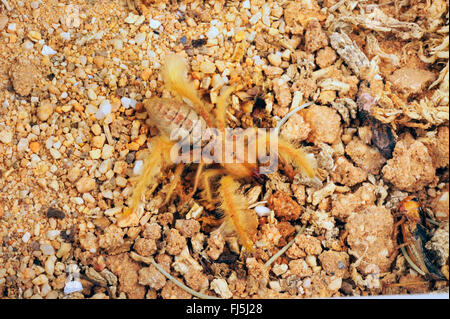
x=283, y=250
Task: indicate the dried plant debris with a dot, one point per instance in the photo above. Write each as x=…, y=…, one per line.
x=379, y=21
x=92, y=204
x=349, y=51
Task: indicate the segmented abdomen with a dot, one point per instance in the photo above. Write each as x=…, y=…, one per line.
x=173, y=118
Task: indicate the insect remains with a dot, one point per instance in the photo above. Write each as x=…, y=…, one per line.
x=413, y=237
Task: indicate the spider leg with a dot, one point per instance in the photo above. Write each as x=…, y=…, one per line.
x=208, y=192
x=175, y=181
x=159, y=155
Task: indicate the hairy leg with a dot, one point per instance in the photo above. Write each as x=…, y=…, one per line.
x=206, y=177
x=174, y=183
x=159, y=155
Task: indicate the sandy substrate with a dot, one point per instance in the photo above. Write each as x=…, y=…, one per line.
x=74, y=78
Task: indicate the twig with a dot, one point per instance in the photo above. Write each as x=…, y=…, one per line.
x=150, y=260
x=283, y=250
x=287, y=116
x=257, y=204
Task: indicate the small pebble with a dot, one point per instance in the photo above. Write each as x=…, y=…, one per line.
x=137, y=170
x=45, y=110
x=95, y=154
x=73, y=174
x=77, y=200
x=40, y=280
x=127, y=102
x=154, y=24
x=212, y=33
x=49, y=265
x=26, y=237
x=107, y=151
x=140, y=38
x=131, y=19
x=85, y=184
x=46, y=50
x=47, y=249
x=6, y=136
x=65, y=35
x=91, y=94
x=35, y=147
x=22, y=145
x=55, y=153
x=99, y=61
x=262, y=211
x=52, y=234
x=274, y=59
x=72, y=286
x=34, y=36
x=335, y=284
x=3, y=21
x=12, y=27
x=207, y=67
x=63, y=250
x=104, y=110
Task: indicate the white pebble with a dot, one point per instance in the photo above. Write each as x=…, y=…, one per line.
x=154, y=24
x=220, y=286
x=307, y=283
x=72, y=286
x=127, y=102
x=77, y=200
x=52, y=234
x=246, y=4
x=49, y=142
x=45, y=289
x=335, y=284
x=275, y=285
x=83, y=59
x=131, y=19
x=137, y=170
x=22, y=145
x=212, y=33
x=50, y=265
x=26, y=237
x=55, y=153
x=105, y=106
x=12, y=27
x=65, y=35
x=47, y=249
x=255, y=18
x=46, y=50
x=140, y=38
x=28, y=45
x=104, y=110
x=262, y=211
x=35, y=158
x=99, y=115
